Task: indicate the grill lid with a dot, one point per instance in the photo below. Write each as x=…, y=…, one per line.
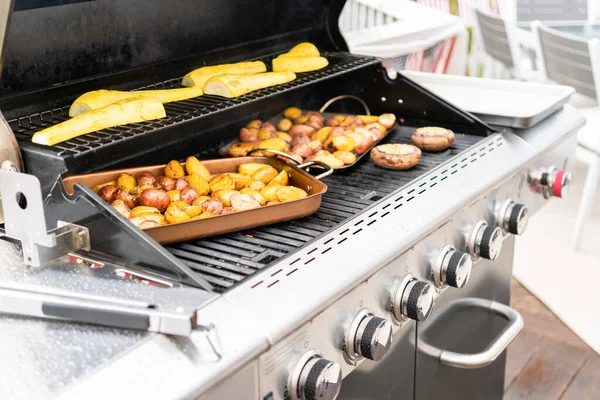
x=54, y=42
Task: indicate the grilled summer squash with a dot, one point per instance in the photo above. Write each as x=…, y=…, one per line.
x=122, y=112
x=199, y=77
x=101, y=98
x=237, y=85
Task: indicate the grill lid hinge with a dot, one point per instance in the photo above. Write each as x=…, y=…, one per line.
x=25, y=221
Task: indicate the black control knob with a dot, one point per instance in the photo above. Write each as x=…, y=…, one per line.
x=485, y=241
x=319, y=379
x=456, y=268
x=418, y=299
x=373, y=338
x=516, y=219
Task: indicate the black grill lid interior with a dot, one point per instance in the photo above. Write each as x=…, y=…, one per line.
x=55, y=42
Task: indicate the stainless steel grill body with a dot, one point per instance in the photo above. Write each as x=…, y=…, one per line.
x=306, y=299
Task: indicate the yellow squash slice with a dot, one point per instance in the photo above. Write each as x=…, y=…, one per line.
x=298, y=63
x=236, y=85
x=101, y=98
x=119, y=113
x=305, y=49
x=200, y=76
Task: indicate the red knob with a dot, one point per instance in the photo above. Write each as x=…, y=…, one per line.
x=561, y=181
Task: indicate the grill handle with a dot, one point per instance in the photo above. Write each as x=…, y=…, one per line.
x=342, y=97
x=306, y=165
x=493, y=350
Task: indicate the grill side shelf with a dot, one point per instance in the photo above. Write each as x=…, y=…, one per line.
x=111, y=234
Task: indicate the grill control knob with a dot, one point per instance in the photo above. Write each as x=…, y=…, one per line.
x=513, y=217
x=554, y=182
x=454, y=268
x=485, y=241
x=316, y=379
x=368, y=336
x=413, y=299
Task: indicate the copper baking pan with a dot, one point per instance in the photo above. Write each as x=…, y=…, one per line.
x=230, y=222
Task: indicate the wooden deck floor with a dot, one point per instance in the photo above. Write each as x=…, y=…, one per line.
x=547, y=361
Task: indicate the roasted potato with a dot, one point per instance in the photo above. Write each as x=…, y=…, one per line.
x=256, y=194
x=296, y=157
x=268, y=192
x=337, y=131
x=193, y=166
x=241, y=149
x=200, y=184
x=314, y=122
x=254, y=124
x=241, y=181
x=222, y=182
x=265, y=174
x=301, y=119
x=322, y=153
x=367, y=119
x=224, y=196
x=300, y=140
x=268, y=126
x=302, y=130
x=315, y=145
x=174, y=170
x=303, y=150
x=257, y=185
x=332, y=122
x=158, y=218
x=166, y=183
x=227, y=210
x=361, y=144
x=129, y=199
x=126, y=182
x=181, y=183
x=107, y=193
x=285, y=136
x=342, y=143
x=139, y=210
x=189, y=195
x=248, y=134
x=274, y=144
x=213, y=206
x=122, y=208
x=146, y=178
x=330, y=160
x=264, y=134
x=346, y=157
x=156, y=198
x=367, y=134
x=174, y=195
x=193, y=211
x=204, y=215
x=284, y=125
x=98, y=187
x=175, y=215
x=281, y=179
x=292, y=112
x=249, y=168
x=137, y=191
x=289, y=193
x=243, y=202
x=387, y=120
x=200, y=200
x=322, y=134
x=179, y=204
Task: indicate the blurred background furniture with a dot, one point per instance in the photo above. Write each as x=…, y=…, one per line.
x=574, y=61
x=409, y=36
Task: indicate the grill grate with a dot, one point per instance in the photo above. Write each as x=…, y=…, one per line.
x=177, y=113
x=228, y=259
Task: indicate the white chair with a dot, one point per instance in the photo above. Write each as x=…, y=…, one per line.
x=498, y=39
x=573, y=61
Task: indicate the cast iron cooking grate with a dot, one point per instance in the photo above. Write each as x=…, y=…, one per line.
x=228, y=259
x=177, y=113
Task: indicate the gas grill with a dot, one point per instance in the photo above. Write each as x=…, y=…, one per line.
x=343, y=298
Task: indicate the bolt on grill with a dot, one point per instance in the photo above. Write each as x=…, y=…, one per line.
x=228, y=259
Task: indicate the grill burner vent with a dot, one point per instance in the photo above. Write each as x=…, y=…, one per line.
x=228, y=259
